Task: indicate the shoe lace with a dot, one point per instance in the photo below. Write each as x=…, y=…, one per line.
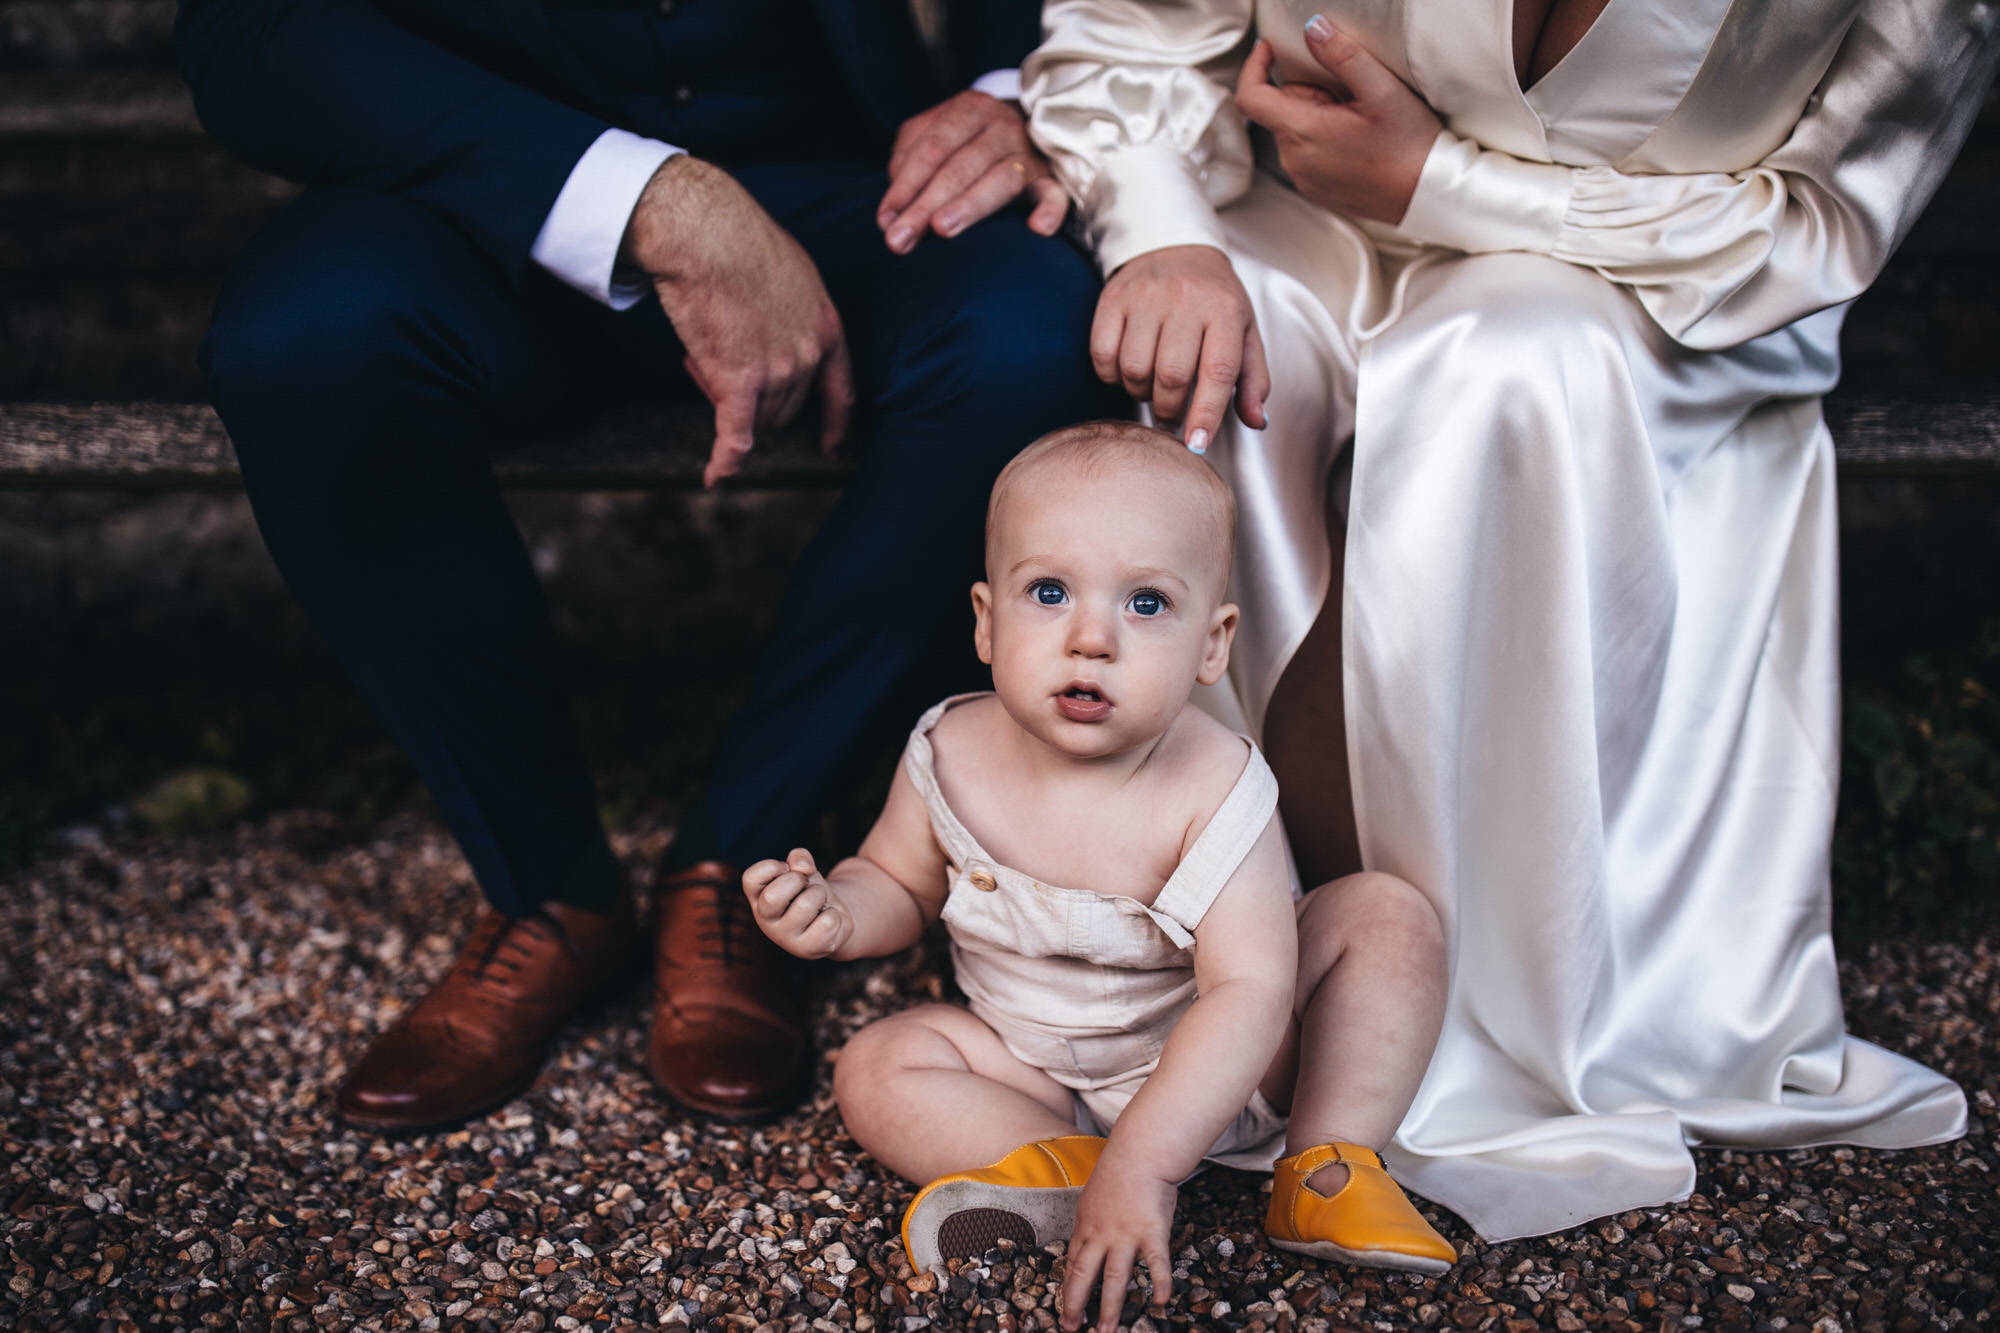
x=496, y=951
x=724, y=930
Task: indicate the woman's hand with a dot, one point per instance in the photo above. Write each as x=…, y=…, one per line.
x=796, y=908
x=1361, y=156
x=1175, y=327
x=1125, y=1216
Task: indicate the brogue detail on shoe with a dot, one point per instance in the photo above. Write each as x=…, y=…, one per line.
x=480, y=1036
x=729, y=1031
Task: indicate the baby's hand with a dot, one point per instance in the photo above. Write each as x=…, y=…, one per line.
x=794, y=906
x=1125, y=1215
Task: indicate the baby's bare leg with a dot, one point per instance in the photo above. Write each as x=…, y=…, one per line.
x=933, y=1090
x=1370, y=1003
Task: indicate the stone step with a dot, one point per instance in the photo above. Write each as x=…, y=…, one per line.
x=655, y=446
x=664, y=446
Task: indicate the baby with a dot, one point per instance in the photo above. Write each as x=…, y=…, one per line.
x=1145, y=991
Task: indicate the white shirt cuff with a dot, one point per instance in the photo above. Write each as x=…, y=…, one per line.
x=1004, y=84
x=579, y=239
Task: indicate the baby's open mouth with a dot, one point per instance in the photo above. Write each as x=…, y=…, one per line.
x=1080, y=703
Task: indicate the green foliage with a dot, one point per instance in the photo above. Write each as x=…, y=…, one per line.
x=1917, y=845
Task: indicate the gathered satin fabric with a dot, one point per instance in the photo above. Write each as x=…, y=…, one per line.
x=1589, y=609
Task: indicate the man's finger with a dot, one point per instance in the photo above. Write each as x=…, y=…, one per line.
x=1002, y=184
x=1215, y=384
x=836, y=397
x=1052, y=208
x=735, y=433
x=1254, y=385
x=1349, y=61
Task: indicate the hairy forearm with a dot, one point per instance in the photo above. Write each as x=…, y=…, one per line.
x=1212, y=1063
x=886, y=917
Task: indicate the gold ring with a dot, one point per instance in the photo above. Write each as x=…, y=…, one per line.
x=1017, y=164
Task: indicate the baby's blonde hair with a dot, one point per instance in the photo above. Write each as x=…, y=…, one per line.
x=1096, y=448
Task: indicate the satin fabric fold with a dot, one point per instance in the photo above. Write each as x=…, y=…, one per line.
x=1589, y=607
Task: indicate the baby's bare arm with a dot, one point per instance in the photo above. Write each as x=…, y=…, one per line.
x=1245, y=963
x=872, y=904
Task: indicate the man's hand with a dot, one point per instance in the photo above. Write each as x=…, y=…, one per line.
x=1361, y=157
x=960, y=161
x=1125, y=1215
x=795, y=907
x=748, y=305
x=1175, y=327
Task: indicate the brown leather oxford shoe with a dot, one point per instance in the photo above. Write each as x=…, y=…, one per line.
x=729, y=1029
x=480, y=1036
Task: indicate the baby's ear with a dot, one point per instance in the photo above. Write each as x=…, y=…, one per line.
x=1221, y=633
x=982, y=622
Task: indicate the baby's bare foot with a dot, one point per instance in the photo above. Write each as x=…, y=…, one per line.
x=1327, y=1181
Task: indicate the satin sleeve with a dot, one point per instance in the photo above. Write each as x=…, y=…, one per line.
x=1720, y=259
x=1133, y=102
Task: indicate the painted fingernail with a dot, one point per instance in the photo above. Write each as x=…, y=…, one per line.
x=1318, y=29
x=900, y=238
x=1197, y=441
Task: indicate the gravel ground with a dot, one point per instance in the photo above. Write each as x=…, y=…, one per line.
x=176, y=1011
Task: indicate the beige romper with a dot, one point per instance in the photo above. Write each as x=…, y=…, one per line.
x=1086, y=986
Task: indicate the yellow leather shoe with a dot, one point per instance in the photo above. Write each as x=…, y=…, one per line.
x=1028, y=1197
x=1367, y=1221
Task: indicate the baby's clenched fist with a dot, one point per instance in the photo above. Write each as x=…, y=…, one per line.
x=795, y=906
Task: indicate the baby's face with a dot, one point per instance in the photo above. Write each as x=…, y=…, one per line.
x=1103, y=607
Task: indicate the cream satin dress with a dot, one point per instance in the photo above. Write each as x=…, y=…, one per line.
x=1589, y=607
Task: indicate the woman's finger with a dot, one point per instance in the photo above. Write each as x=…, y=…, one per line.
x=1350, y=62
x=1051, y=208
x=1176, y=362
x=1253, y=387
x=1215, y=383
x=1258, y=98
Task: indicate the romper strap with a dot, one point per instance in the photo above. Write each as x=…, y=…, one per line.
x=1232, y=831
x=919, y=760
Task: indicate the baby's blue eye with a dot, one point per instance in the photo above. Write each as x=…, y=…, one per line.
x=1049, y=594
x=1147, y=603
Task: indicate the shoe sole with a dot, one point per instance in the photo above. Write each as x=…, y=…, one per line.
x=1326, y=1249
x=394, y=1125
x=963, y=1219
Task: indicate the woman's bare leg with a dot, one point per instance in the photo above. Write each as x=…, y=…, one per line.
x=1370, y=1004
x=933, y=1090
x=1305, y=740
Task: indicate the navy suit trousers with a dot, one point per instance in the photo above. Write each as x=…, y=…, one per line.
x=365, y=356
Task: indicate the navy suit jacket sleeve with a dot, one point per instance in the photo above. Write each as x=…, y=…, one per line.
x=332, y=92
x=995, y=34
